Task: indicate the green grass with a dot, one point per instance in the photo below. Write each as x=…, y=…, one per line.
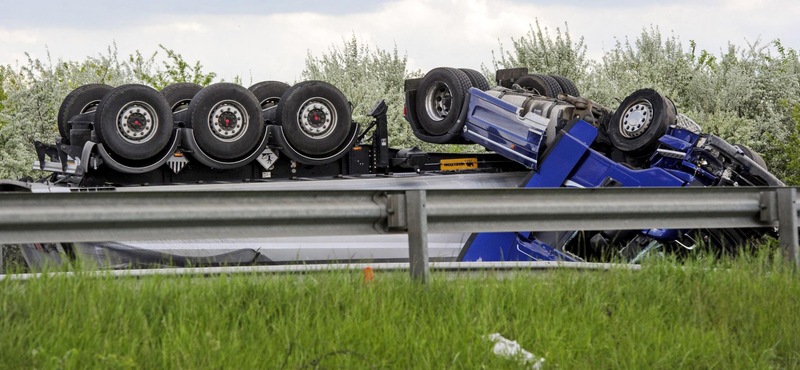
x=736, y=314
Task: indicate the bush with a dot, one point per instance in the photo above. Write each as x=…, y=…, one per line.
x=745, y=95
x=31, y=95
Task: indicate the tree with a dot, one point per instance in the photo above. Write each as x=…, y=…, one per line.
x=541, y=53
x=366, y=75
x=175, y=69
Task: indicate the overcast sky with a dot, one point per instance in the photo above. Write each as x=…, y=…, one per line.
x=266, y=39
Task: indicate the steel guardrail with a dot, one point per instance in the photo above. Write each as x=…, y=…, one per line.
x=123, y=216
x=453, y=267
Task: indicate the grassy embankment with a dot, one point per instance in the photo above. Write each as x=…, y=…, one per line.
x=737, y=314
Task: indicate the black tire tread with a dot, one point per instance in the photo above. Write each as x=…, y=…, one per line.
x=663, y=117
x=286, y=116
x=145, y=150
x=750, y=153
x=180, y=91
x=476, y=79
x=268, y=89
x=462, y=87
x=66, y=105
x=548, y=84
x=226, y=151
x=169, y=89
x=567, y=86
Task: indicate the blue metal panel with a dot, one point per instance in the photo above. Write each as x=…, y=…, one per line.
x=675, y=143
x=489, y=247
x=496, y=125
x=563, y=158
x=525, y=249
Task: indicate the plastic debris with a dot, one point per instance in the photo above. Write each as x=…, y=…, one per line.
x=368, y=275
x=510, y=349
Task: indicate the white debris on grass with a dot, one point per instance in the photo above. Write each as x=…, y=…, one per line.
x=510, y=349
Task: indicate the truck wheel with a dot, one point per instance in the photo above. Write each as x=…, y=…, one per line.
x=315, y=117
x=82, y=100
x=477, y=79
x=440, y=97
x=269, y=93
x=749, y=153
x=567, y=86
x=542, y=84
x=133, y=121
x=179, y=95
x=642, y=119
x=226, y=120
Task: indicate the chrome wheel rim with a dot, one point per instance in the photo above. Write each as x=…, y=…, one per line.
x=637, y=118
x=317, y=117
x=228, y=120
x=438, y=101
x=137, y=122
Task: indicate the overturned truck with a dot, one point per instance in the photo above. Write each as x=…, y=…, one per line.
x=537, y=130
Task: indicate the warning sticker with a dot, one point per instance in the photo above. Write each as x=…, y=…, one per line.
x=459, y=164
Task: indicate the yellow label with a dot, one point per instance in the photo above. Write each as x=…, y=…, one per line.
x=459, y=164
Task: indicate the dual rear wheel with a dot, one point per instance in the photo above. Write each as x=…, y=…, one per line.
x=441, y=95
x=136, y=123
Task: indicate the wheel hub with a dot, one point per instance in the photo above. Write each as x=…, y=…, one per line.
x=317, y=118
x=637, y=119
x=137, y=122
x=438, y=101
x=228, y=120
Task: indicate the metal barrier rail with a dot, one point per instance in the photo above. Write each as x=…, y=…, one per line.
x=104, y=216
x=453, y=267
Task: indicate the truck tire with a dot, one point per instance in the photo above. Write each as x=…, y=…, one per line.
x=269, y=93
x=315, y=117
x=134, y=122
x=84, y=99
x=477, y=79
x=542, y=84
x=641, y=119
x=749, y=153
x=441, y=95
x=179, y=95
x=567, y=86
x=226, y=120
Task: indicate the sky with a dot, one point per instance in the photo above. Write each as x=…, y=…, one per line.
x=269, y=40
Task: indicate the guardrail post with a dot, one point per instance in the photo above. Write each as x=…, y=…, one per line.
x=787, y=225
x=417, y=218
x=1, y=259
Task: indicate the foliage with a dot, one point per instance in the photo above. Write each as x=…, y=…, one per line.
x=541, y=53
x=702, y=314
x=366, y=75
x=3, y=95
x=34, y=91
x=176, y=69
x=787, y=151
x=744, y=94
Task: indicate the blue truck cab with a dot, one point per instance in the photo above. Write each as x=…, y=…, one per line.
x=564, y=141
